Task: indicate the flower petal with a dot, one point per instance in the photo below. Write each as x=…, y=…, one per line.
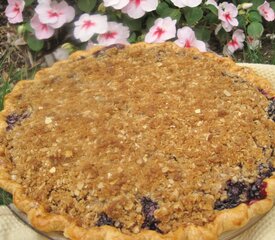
x=199, y=45
x=133, y=10
x=266, y=11
x=149, y=6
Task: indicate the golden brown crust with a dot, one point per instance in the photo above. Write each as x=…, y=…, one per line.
x=226, y=220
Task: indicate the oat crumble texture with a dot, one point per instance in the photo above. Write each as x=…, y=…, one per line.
x=140, y=138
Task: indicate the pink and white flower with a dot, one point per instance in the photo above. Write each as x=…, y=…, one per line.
x=55, y=14
x=116, y=33
x=116, y=4
x=88, y=25
x=137, y=8
x=162, y=30
x=227, y=13
x=266, y=11
x=186, y=38
x=14, y=11
x=44, y=1
x=186, y=3
x=236, y=43
x=253, y=43
x=212, y=2
x=41, y=30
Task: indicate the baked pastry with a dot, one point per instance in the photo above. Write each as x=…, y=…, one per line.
x=140, y=142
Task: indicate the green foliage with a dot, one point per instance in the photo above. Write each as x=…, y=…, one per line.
x=164, y=10
x=255, y=29
x=203, y=19
x=256, y=4
x=28, y=2
x=5, y=198
x=193, y=15
x=203, y=33
x=34, y=44
x=254, y=16
x=86, y=5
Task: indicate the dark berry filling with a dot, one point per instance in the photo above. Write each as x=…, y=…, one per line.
x=148, y=209
x=271, y=110
x=15, y=118
x=103, y=50
x=240, y=192
x=234, y=192
x=104, y=220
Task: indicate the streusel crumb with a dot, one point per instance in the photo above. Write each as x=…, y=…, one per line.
x=138, y=138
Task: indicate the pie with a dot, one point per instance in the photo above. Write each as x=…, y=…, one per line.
x=139, y=142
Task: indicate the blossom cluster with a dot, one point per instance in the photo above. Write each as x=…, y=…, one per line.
x=94, y=28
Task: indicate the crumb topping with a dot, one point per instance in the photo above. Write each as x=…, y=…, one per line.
x=135, y=138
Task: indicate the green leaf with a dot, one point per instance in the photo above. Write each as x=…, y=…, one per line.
x=150, y=22
x=203, y=34
x=242, y=21
x=132, y=38
x=254, y=16
x=164, y=10
x=86, y=5
x=272, y=5
x=28, y=2
x=255, y=29
x=256, y=4
x=211, y=18
x=161, y=7
x=212, y=8
x=5, y=197
x=133, y=24
x=34, y=44
x=27, y=27
x=193, y=15
x=222, y=36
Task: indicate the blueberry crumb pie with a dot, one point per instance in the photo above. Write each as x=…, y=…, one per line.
x=140, y=142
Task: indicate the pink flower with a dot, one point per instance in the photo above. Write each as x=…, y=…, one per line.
x=186, y=3
x=88, y=25
x=227, y=14
x=55, y=14
x=116, y=33
x=236, y=43
x=41, y=30
x=117, y=4
x=137, y=8
x=163, y=29
x=14, y=11
x=186, y=38
x=253, y=43
x=266, y=11
x=212, y=2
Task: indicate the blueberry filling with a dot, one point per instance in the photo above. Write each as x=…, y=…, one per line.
x=104, y=220
x=148, y=209
x=240, y=192
x=15, y=118
x=271, y=110
x=234, y=192
x=103, y=50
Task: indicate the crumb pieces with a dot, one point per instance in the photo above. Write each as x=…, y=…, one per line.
x=227, y=93
x=48, y=120
x=198, y=111
x=52, y=170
